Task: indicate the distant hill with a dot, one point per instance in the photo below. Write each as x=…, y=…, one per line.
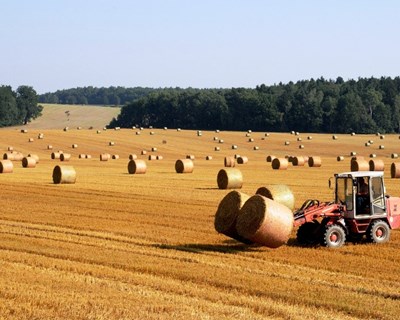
x=56, y=116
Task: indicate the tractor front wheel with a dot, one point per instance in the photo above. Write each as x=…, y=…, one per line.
x=334, y=236
x=379, y=232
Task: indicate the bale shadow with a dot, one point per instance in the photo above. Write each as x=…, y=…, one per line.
x=209, y=188
x=234, y=247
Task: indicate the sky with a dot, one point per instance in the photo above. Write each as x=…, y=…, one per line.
x=60, y=44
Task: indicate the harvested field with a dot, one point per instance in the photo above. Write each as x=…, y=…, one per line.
x=121, y=246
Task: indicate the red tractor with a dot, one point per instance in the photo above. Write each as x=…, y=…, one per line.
x=360, y=208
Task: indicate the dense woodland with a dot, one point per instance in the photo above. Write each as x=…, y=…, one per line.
x=364, y=106
x=18, y=107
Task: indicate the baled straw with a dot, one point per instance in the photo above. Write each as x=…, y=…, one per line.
x=280, y=163
x=137, y=166
x=184, y=166
x=35, y=156
x=229, y=162
x=6, y=166
x=105, y=156
x=227, y=213
x=376, y=165
x=65, y=157
x=10, y=148
x=208, y=157
x=152, y=157
x=55, y=155
x=115, y=156
x=64, y=174
x=82, y=156
x=242, y=160
x=8, y=156
x=159, y=157
x=265, y=222
x=28, y=162
x=230, y=178
x=18, y=156
x=359, y=165
x=270, y=158
x=190, y=156
x=298, y=161
x=132, y=156
x=340, y=158
x=395, y=170
x=88, y=156
x=280, y=193
x=394, y=155
x=315, y=162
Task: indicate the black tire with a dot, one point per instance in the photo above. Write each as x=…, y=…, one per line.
x=334, y=236
x=307, y=234
x=379, y=232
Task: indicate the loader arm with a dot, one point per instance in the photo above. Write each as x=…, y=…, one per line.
x=313, y=209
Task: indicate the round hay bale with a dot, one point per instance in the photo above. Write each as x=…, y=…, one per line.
x=34, y=156
x=377, y=134
x=367, y=144
x=229, y=178
x=65, y=157
x=78, y=128
x=280, y=164
x=234, y=147
x=208, y=157
x=98, y=131
x=216, y=138
x=248, y=135
x=340, y=158
x=143, y=152
x=9, y=148
x=376, y=165
x=353, y=133
x=299, y=139
x=278, y=192
x=221, y=141
x=306, y=159
x=334, y=137
x=382, y=137
x=372, y=155
x=287, y=143
x=270, y=158
x=111, y=143
x=132, y=156
x=301, y=146
x=381, y=147
x=18, y=156
x=190, y=156
x=297, y=133
x=88, y=156
x=49, y=147
x=105, y=156
x=6, y=166
x=229, y=162
x=355, y=158
x=395, y=170
x=353, y=153
x=55, y=155
x=266, y=134
x=137, y=166
x=154, y=149
x=394, y=155
x=265, y=221
x=242, y=160
x=152, y=133
x=8, y=156
x=359, y=165
x=309, y=138
x=115, y=156
x=178, y=129
x=217, y=131
x=28, y=162
x=24, y=131
x=227, y=213
x=314, y=162
x=216, y=149
x=251, y=140
x=371, y=141
x=82, y=156
x=298, y=161
x=184, y=166
x=137, y=133
x=152, y=157
x=31, y=140
x=256, y=148
x=74, y=146
x=64, y=174
x=66, y=129
x=159, y=157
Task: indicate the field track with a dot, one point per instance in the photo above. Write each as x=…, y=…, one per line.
x=120, y=246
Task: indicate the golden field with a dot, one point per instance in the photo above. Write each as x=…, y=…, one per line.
x=120, y=246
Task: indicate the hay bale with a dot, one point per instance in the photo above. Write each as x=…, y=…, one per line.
x=278, y=192
x=221, y=141
x=64, y=174
x=280, y=164
x=236, y=156
x=137, y=166
x=98, y=131
x=28, y=162
x=9, y=148
x=382, y=137
x=143, y=152
x=31, y=140
x=309, y=138
x=314, y=162
x=154, y=149
x=159, y=157
x=78, y=128
x=248, y=134
x=82, y=156
x=24, y=131
x=381, y=147
x=184, y=166
x=301, y=146
x=270, y=158
x=299, y=139
x=376, y=165
x=229, y=162
x=49, y=147
x=74, y=146
x=395, y=170
x=137, y=133
x=215, y=138
x=132, y=156
x=265, y=221
x=371, y=141
x=251, y=140
x=367, y=144
x=34, y=156
x=8, y=156
x=217, y=131
x=208, y=157
x=216, y=149
x=242, y=160
x=105, y=156
x=266, y=134
x=359, y=165
x=340, y=158
x=234, y=147
x=190, y=156
x=152, y=157
x=18, y=156
x=88, y=156
x=40, y=136
x=256, y=148
x=394, y=155
x=227, y=213
x=287, y=143
x=115, y=156
x=298, y=161
x=353, y=133
x=152, y=133
x=229, y=178
x=65, y=157
x=372, y=155
x=66, y=129
x=334, y=137
x=6, y=166
x=55, y=155
x=355, y=158
x=111, y=143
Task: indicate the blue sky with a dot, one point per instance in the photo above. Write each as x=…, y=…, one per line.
x=60, y=44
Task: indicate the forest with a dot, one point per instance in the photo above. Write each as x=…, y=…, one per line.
x=18, y=107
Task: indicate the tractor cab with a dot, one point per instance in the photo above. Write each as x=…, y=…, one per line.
x=363, y=194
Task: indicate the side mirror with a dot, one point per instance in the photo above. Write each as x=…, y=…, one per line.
x=330, y=183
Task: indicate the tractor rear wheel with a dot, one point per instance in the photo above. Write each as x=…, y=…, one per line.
x=307, y=234
x=379, y=232
x=334, y=236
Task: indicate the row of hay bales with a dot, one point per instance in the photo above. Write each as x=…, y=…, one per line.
x=283, y=163
x=265, y=218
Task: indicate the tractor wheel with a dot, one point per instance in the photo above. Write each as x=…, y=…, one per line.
x=379, y=232
x=307, y=234
x=334, y=236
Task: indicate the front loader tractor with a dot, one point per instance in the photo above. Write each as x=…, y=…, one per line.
x=361, y=208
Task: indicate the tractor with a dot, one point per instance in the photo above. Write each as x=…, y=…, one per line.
x=361, y=208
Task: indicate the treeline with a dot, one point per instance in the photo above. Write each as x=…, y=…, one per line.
x=365, y=105
x=18, y=107
x=113, y=96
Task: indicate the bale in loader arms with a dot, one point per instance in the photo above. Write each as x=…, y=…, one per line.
x=360, y=209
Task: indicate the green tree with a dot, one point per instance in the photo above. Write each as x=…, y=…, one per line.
x=8, y=107
x=27, y=103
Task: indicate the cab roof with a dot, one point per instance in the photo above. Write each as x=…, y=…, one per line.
x=357, y=174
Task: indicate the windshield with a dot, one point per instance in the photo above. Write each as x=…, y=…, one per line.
x=344, y=192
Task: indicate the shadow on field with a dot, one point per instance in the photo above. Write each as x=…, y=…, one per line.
x=210, y=188
x=200, y=248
